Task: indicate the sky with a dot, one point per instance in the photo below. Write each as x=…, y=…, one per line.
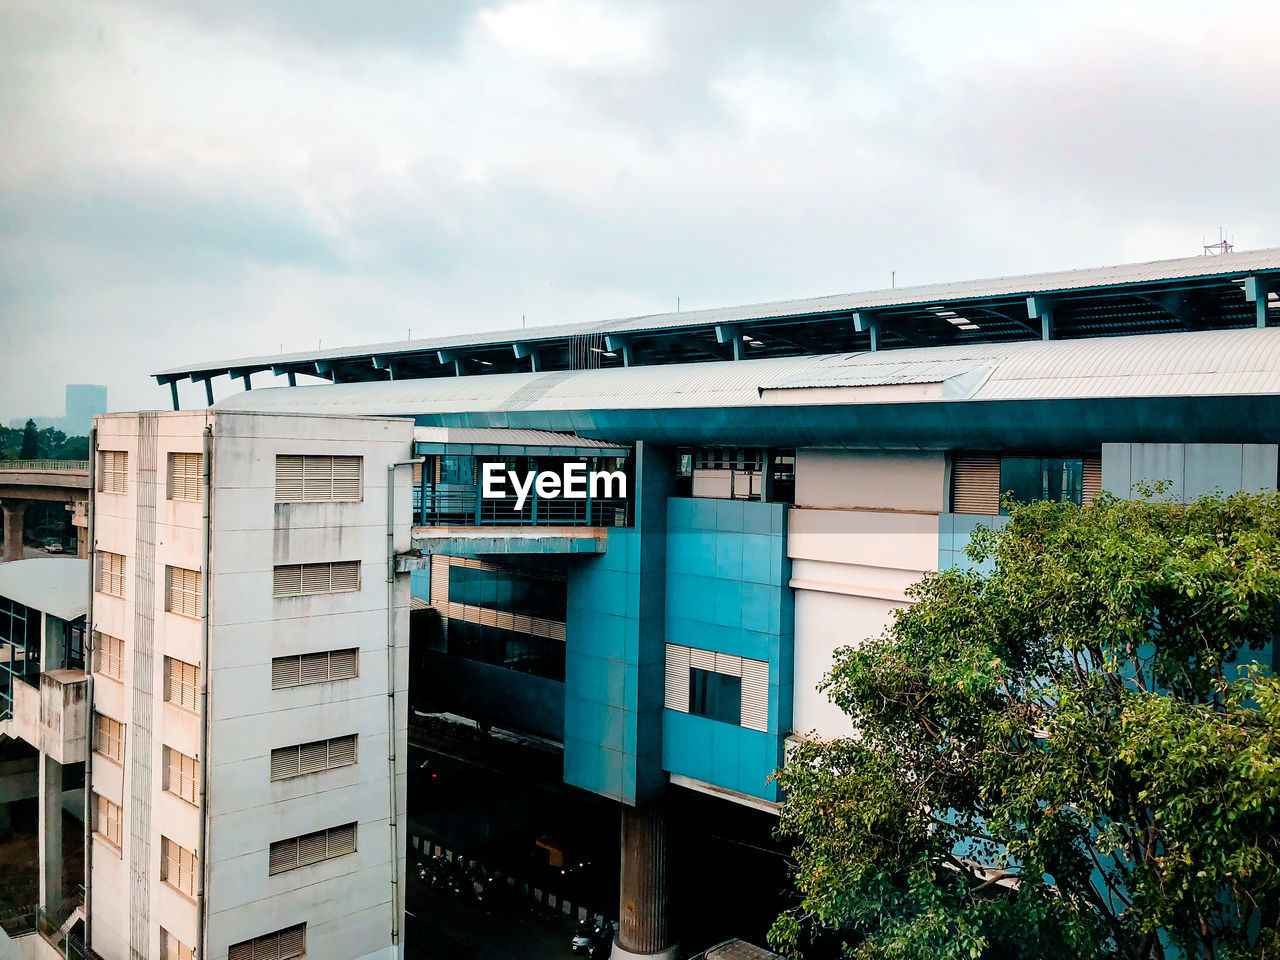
x=183, y=182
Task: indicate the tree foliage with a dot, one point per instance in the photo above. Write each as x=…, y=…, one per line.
x=1071, y=755
x=47, y=444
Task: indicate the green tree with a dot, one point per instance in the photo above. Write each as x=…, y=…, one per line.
x=30, y=441
x=1072, y=755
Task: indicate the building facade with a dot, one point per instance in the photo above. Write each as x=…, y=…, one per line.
x=790, y=469
x=250, y=661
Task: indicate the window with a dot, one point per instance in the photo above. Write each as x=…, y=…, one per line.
x=312, y=848
x=314, y=668
x=716, y=696
x=108, y=737
x=530, y=594
x=177, y=866
x=108, y=656
x=186, y=476
x=181, y=774
x=113, y=471
x=719, y=686
x=533, y=653
x=106, y=819
x=183, y=591
x=181, y=683
x=309, y=479
x=307, y=579
x=109, y=574
x=980, y=481
x=281, y=945
x=296, y=761
x=1028, y=479
x=171, y=948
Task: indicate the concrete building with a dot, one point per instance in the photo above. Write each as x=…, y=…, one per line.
x=84, y=402
x=791, y=468
x=759, y=487
x=249, y=654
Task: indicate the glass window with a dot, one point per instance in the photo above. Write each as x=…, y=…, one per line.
x=1029, y=479
x=716, y=696
x=525, y=653
x=456, y=470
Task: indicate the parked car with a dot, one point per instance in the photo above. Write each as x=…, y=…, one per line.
x=592, y=938
x=52, y=545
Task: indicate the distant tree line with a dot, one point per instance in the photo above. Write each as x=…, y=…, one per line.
x=47, y=444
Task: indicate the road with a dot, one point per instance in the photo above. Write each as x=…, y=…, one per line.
x=442, y=928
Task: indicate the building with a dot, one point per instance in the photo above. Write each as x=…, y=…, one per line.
x=249, y=654
x=760, y=485
x=43, y=713
x=84, y=402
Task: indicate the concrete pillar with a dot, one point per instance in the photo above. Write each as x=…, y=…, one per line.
x=13, y=513
x=644, y=927
x=50, y=834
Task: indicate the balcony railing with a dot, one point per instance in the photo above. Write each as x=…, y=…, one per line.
x=466, y=508
x=46, y=466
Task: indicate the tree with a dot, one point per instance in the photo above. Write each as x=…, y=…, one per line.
x=1072, y=755
x=30, y=441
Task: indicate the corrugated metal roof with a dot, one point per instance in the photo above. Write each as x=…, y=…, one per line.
x=953, y=292
x=54, y=585
x=1219, y=362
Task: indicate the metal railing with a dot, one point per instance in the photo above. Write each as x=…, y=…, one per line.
x=46, y=466
x=466, y=509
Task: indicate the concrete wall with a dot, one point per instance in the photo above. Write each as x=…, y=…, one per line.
x=864, y=527
x=1190, y=469
x=346, y=902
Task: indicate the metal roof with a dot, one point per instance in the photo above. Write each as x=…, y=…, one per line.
x=57, y=586
x=1160, y=296
x=1220, y=362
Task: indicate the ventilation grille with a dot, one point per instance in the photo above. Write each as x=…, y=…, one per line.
x=317, y=479
x=309, y=579
x=186, y=476
x=314, y=757
x=312, y=848
x=183, y=591
x=314, y=668
x=113, y=471
x=281, y=945
x=975, y=484
x=1090, y=478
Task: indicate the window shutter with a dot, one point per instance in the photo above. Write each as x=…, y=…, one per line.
x=342, y=751
x=284, y=763
x=282, y=856
x=288, y=581
x=702, y=659
x=1091, y=478
x=316, y=578
x=342, y=840
x=317, y=478
x=313, y=757
x=312, y=848
x=344, y=664
x=755, y=694
x=975, y=484
x=288, y=479
x=292, y=942
x=439, y=580
x=346, y=576
x=346, y=478
x=677, y=678
x=285, y=672
x=728, y=664
x=315, y=668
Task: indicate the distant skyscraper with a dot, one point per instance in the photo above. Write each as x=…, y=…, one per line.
x=83, y=401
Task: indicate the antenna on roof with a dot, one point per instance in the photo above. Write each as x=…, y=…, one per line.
x=1222, y=246
x=893, y=279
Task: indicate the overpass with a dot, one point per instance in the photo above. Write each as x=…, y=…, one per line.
x=28, y=481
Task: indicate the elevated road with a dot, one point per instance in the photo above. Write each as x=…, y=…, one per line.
x=28, y=481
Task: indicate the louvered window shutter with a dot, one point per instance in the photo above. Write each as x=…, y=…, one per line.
x=975, y=484
x=288, y=479
x=283, y=856
x=344, y=664
x=1091, y=478
x=346, y=478
x=313, y=757
x=315, y=668
x=345, y=576
x=285, y=672
x=677, y=678
x=313, y=848
x=342, y=840
x=284, y=763
x=755, y=694
x=342, y=751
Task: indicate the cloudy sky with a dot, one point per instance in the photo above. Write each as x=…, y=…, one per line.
x=201, y=180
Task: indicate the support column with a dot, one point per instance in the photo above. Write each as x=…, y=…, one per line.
x=13, y=514
x=644, y=928
x=51, y=834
